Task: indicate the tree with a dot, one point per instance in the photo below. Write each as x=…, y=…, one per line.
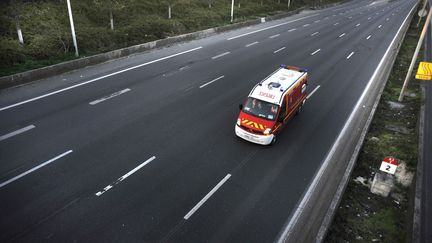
x=110, y=6
x=16, y=13
x=170, y=5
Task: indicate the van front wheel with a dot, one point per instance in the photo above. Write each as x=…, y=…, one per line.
x=273, y=140
x=299, y=110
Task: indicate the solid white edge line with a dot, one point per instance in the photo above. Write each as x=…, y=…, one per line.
x=214, y=80
x=125, y=176
x=313, y=91
x=200, y=203
x=271, y=27
x=251, y=44
x=14, y=133
x=280, y=49
x=324, y=165
x=109, y=96
x=315, y=52
x=99, y=78
x=349, y=56
x=35, y=168
x=221, y=55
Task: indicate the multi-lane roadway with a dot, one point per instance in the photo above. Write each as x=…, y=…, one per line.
x=142, y=149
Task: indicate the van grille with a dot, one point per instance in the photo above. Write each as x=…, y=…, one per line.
x=251, y=130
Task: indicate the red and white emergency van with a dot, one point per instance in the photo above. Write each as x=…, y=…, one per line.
x=271, y=103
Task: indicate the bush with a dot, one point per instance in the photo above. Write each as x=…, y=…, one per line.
x=45, y=46
x=11, y=53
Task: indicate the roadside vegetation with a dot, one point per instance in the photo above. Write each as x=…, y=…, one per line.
x=366, y=217
x=105, y=25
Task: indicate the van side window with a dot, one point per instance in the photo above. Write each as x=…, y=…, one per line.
x=283, y=109
x=290, y=100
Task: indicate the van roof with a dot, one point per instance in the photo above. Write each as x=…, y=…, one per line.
x=274, y=87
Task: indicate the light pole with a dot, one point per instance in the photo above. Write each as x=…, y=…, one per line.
x=414, y=58
x=72, y=28
x=232, y=10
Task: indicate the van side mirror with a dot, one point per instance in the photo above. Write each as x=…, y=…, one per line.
x=241, y=107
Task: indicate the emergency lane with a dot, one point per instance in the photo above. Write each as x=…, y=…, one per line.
x=190, y=130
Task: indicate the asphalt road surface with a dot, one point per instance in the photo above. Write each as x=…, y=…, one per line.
x=142, y=149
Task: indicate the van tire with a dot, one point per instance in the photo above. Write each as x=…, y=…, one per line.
x=299, y=110
x=273, y=141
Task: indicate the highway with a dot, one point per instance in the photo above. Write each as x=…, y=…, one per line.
x=142, y=149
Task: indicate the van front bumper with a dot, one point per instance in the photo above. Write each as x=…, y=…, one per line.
x=254, y=138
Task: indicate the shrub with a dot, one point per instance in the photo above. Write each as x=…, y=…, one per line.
x=11, y=53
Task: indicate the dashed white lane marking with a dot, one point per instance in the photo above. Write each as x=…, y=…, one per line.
x=350, y=17
x=251, y=44
x=291, y=30
x=274, y=36
x=280, y=49
x=314, y=33
x=326, y=18
x=271, y=27
x=369, y=18
x=350, y=55
x=335, y=24
x=14, y=133
x=221, y=55
x=357, y=25
x=214, y=80
x=35, y=168
x=367, y=38
x=184, y=68
x=343, y=34
x=109, y=96
x=306, y=25
x=99, y=78
x=315, y=52
x=379, y=27
x=317, y=21
x=200, y=203
x=387, y=19
x=99, y=193
x=313, y=91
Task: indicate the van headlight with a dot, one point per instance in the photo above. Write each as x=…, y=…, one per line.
x=267, y=131
x=238, y=121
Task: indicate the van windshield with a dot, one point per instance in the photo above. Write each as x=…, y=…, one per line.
x=261, y=109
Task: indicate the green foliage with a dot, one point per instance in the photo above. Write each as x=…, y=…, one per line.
x=11, y=53
x=47, y=36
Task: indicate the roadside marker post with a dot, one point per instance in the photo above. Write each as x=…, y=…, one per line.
x=389, y=165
